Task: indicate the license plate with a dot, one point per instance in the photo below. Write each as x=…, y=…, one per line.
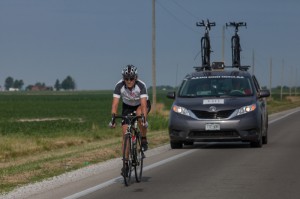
x=212, y=127
x=213, y=101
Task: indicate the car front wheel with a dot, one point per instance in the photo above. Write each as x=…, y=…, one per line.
x=176, y=145
x=259, y=142
x=265, y=136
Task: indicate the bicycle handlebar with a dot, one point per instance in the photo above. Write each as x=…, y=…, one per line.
x=236, y=24
x=130, y=117
x=207, y=25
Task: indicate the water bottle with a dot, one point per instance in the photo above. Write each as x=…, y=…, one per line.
x=135, y=124
x=133, y=139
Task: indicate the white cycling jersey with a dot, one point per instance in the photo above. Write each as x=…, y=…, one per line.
x=132, y=96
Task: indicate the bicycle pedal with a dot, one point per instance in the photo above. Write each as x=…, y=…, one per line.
x=125, y=171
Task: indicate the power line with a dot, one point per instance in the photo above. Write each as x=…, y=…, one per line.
x=191, y=14
x=175, y=17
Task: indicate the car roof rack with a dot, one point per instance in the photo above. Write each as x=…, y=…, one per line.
x=244, y=68
x=219, y=66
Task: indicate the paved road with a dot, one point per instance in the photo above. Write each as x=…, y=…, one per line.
x=209, y=171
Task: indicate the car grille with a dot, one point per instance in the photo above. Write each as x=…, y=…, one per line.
x=213, y=115
x=212, y=134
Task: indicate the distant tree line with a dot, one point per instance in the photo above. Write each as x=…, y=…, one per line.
x=11, y=83
x=67, y=84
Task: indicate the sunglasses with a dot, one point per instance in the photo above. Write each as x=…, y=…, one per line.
x=131, y=78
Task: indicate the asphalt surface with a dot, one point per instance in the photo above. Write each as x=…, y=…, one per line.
x=206, y=170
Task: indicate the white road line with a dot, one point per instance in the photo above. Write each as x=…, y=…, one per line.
x=286, y=115
x=114, y=180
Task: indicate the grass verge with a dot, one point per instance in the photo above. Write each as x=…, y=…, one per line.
x=25, y=168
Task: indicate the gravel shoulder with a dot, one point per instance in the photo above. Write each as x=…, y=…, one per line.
x=73, y=176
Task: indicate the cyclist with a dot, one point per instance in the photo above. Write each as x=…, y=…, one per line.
x=134, y=95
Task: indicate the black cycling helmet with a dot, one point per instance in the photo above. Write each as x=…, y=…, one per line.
x=129, y=71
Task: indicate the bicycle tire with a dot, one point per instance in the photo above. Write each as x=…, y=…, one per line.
x=205, y=51
x=235, y=51
x=127, y=146
x=139, y=158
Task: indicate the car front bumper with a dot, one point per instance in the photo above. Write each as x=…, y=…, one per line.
x=240, y=128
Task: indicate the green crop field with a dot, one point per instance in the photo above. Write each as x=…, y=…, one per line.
x=44, y=114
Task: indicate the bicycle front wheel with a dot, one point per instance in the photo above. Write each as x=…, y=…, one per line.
x=127, y=160
x=205, y=50
x=138, y=159
x=236, y=48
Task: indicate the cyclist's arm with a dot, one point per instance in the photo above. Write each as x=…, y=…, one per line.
x=116, y=96
x=114, y=106
x=144, y=107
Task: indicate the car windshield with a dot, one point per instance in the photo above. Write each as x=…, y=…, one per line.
x=216, y=86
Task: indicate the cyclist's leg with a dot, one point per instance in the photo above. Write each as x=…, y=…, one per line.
x=126, y=109
x=142, y=128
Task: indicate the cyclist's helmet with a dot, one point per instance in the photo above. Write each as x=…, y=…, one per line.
x=130, y=71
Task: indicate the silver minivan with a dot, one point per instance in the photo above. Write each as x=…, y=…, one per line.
x=223, y=104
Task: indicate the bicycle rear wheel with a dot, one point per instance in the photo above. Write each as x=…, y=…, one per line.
x=138, y=159
x=205, y=50
x=236, y=48
x=127, y=160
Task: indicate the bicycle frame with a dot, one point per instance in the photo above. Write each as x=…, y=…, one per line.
x=235, y=43
x=205, y=42
x=132, y=152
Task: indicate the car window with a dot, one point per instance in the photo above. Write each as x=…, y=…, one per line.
x=216, y=86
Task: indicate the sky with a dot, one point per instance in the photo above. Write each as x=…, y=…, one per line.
x=93, y=40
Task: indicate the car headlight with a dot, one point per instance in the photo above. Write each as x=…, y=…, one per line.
x=180, y=110
x=246, y=109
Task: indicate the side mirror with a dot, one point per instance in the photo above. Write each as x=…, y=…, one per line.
x=264, y=93
x=171, y=95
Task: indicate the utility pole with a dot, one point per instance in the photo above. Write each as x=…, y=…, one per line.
x=223, y=44
x=271, y=77
x=253, y=62
x=296, y=82
x=153, y=60
x=291, y=81
x=282, y=70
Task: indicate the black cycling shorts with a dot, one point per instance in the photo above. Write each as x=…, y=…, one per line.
x=127, y=109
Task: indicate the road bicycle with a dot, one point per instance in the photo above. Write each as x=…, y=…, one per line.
x=205, y=42
x=235, y=43
x=133, y=154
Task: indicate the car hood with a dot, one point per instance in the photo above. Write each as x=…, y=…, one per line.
x=219, y=103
